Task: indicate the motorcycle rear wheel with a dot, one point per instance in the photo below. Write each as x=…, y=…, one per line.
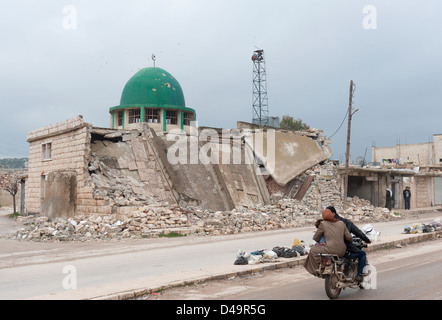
x=331, y=289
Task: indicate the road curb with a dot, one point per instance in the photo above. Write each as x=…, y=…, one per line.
x=251, y=269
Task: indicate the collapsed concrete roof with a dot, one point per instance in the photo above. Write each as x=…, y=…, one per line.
x=287, y=154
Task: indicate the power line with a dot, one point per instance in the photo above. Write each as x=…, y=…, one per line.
x=352, y=94
x=13, y=153
x=345, y=117
x=17, y=150
x=13, y=144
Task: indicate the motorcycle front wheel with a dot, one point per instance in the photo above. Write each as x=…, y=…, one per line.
x=331, y=289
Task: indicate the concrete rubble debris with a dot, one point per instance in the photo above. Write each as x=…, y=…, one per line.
x=150, y=221
x=138, y=212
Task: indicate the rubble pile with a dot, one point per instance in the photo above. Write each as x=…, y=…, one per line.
x=134, y=223
x=152, y=221
x=117, y=188
x=137, y=214
x=323, y=193
x=361, y=210
x=285, y=214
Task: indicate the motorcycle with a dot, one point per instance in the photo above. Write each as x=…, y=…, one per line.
x=340, y=273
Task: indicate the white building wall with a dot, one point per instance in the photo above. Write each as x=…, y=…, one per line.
x=419, y=154
x=437, y=146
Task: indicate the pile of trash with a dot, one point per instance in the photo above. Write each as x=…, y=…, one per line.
x=266, y=255
x=435, y=225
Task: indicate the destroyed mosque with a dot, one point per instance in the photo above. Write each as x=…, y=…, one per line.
x=76, y=168
x=154, y=153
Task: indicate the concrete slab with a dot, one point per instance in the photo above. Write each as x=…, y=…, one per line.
x=286, y=154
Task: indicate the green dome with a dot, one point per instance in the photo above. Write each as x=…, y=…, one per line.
x=153, y=87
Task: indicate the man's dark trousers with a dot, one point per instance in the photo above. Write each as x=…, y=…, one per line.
x=362, y=256
x=407, y=203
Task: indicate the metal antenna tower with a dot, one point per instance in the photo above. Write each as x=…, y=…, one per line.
x=260, y=101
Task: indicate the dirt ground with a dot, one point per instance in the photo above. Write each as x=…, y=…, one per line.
x=7, y=225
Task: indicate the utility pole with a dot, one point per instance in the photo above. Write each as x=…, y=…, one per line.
x=347, y=154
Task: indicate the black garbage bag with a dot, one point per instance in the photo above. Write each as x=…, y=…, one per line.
x=241, y=261
x=285, y=252
x=300, y=249
x=278, y=250
x=289, y=253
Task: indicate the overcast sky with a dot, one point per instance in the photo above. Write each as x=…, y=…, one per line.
x=60, y=59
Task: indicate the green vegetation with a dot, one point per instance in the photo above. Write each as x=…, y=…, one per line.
x=13, y=163
x=289, y=123
x=171, y=235
x=13, y=215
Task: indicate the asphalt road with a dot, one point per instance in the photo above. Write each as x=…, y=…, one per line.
x=41, y=270
x=409, y=273
x=411, y=277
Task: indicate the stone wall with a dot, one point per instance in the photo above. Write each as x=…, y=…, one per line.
x=422, y=197
x=70, y=148
x=5, y=196
x=437, y=146
x=420, y=154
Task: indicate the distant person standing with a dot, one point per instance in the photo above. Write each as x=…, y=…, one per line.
x=389, y=199
x=407, y=197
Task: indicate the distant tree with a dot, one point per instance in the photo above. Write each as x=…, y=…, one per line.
x=13, y=163
x=289, y=123
x=12, y=188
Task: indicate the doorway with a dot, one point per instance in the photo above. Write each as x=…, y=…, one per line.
x=395, y=188
x=58, y=194
x=437, y=190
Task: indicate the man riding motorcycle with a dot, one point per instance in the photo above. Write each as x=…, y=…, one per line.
x=352, y=250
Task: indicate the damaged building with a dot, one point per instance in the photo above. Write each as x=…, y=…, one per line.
x=154, y=154
x=418, y=166
x=77, y=168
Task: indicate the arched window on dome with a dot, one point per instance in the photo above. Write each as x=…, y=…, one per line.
x=134, y=116
x=120, y=118
x=188, y=118
x=152, y=115
x=171, y=117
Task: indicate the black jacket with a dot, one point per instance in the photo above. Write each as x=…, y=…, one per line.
x=353, y=230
